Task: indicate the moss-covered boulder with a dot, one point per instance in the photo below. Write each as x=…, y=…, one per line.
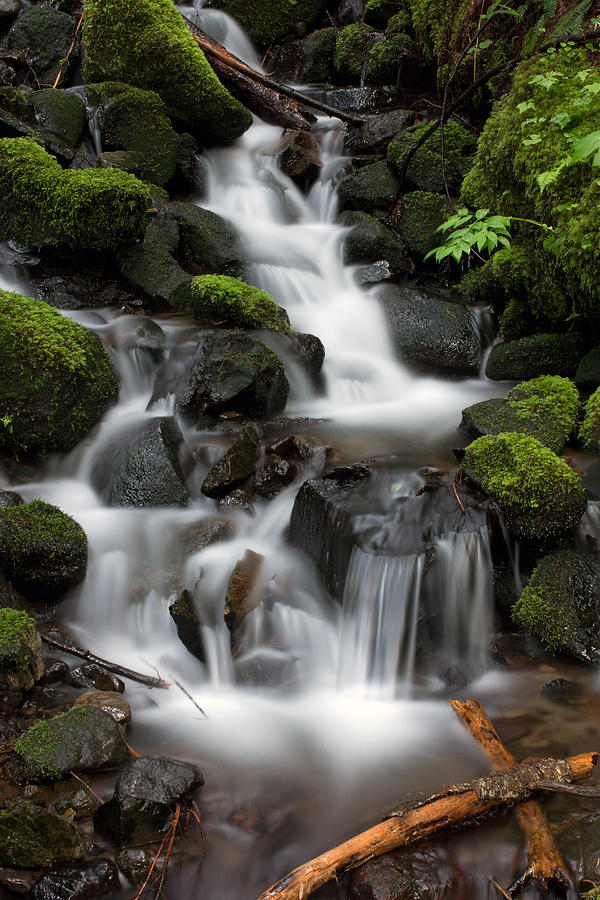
x=589, y=433
x=42, y=204
x=20, y=653
x=540, y=496
x=369, y=241
x=147, y=44
x=377, y=12
x=309, y=61
x=389, y=57
x=425, y=170
x=545, y=408
x=45, y=34
x=587, y=376
x=373, y=187
x=560, y=604
x=135, y=120
x=420, y=215
x=352, y=52
x=60, y=113
x=538, y=354
x=269, y=20
x=57, y=378
x=32, y=837
x=42, y=550
x=238, y=304
x=83, y=739
x=207, y=244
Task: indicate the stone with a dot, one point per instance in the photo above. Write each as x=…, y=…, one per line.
x=242, y=593
x=142, y=804
x=184, y=614
x=425, y=169
x=587, y=375
x=373, y=187
x=273, y=476
x=377, y=130
x=369, y=241
x=135, y=864
x=65, y=289
x=539, y=354
x=20, y=653
x=10, y=596
x=10, y=498
x=239, y=498
x=91, y=675
x=83, y=739
x=95, y=878
x=410, y=876
x=54, y=670
x=272, y=19
x=309, y=61
x=32, y=836
x=420, y=215
x=207, y=243
x=45, y=34
x=109, y=701
x=9, y=9
x=236, y=466
x=60, y=113
x=140, y=466
x=560, y=690
x=430, y=332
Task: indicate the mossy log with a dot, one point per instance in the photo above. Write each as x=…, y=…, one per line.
x=456, y=805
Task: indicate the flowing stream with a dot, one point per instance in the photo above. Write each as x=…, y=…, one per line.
x=327, y=717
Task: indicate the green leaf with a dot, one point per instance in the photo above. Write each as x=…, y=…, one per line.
x=532, y=139
x=525, y=106
x=586, y=146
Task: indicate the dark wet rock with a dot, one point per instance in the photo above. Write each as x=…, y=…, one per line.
x=207, y=243
x=184, y=614
x=424, y=875
x=131, y=332
x=54, y=670
x=96, y=878
x=587, y=376
x=32, y=836
x=420, y=214
x=81, y=740
x=268, y=668
x=74, y=290
x=19, y=881
x=45, y=34
x=310, y=352
x=60, y=113
x=352, y=49
x=110, y=702
x=430, y=332
x=352, y=473
x=242, y=593
x=240, y=498
x=42, y=549
x=142, y=805
x=350, y=11
x=425, y=169
x=20, y=653
x=9, y=9
x=63, y=797
x=273, y=475
x=376, y=132
x=309, y=61
x=300, y=158
x=190, y=172
x=223, y=371
x=236, y=466
x=10, y=498
x=373, y=274
x=350, y=100
x=561, y=604
x=290, y=446
x=369, y=240
x=540, y=354
x=91, y=675
x=560, y=690
x=374, y=187
x=10, y=596
x=135, y=864
x=140, y=467
x=273, y=19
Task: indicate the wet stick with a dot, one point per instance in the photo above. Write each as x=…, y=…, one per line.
x=545, y=864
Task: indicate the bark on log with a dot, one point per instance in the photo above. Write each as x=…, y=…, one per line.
x=456, y=806
x=545, y=863
x=272, y=97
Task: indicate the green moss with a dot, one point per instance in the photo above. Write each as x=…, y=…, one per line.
x=57, y=378
x=352, y=48
x=425, y=169
x=268, y=20
x=515, y=321
x=146, y=43
x=422, y=214
x=539, y=613
x=537, y=354
x=540, y=496
x=378, y=12
x=387, y=58
x=43, y=747
x=238, y=303
x=31, y=836
x=42, y=204
x=369, y=188
x=16, y=628
x=589, y=433
x=549, y=405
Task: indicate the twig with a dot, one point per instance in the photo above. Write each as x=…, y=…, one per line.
x=88, y=789
x=172, y=830
x=500, y=889
x=115, y=668
x=189, y=696
x=64, y=64
x=152, y=867
x=456, y=493
x=558, y=788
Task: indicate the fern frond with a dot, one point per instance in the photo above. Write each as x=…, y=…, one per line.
x=571, y=22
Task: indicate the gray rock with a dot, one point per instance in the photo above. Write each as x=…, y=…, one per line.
x=540, y=354
x=430, y=332
x=144, y=797
x=96, y=878
x=10, y=498
x=31, y=836
x=91, y=675
x=371, y=188
x=207, y=243
x=110, y=702
x=370, y=241
x=236, y=466
x=141, y=468
x=9, y=9
x=60, y=113
x=135, y=864
x=273, y=476
x=20, y=653
x=376, y=132
x=46, y=35
x=309, y=61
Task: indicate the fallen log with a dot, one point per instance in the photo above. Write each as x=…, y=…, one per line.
x=225, y=64
x=545, y=864
x=457, y=805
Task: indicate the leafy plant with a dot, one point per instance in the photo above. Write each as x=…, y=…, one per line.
x=477, y=232
x=587, y=146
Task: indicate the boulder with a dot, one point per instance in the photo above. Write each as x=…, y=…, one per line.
x=351, y=55
x=91, y=675
x=140, y=466
x=430, y=332
x=370, y=188
x=10, y=598
x=425, y=170
x=145, y=794
x=273, y=475
x=540, y=496
x=148, y=45
x=545, y=408
x=587, y=376
x=395, y=54
x=589, y=433
x=43, y=204
x=8, y=10
x=31, y=836
x=95, y=878
x=300, y=159
x=270, y=21
x=236, y=466
x=57, y=378
x=135, y=864
x=110, y=702
x=184, y=614
x=420, y=215
x=20, y=653
x=238, y=304
x=421, y=875
x=83, y=739
x=560, y=604
x=370, y=241
x=309, y=61
x=224, y=370
x=45, y=34
x=242, y=594
x=377, y=130
x=539, y=354
x=60, y=113
x=43, y=550
x=207, y=243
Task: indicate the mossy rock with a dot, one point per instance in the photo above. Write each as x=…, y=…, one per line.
x=545, y=408
x=57, y=378
x=269, y=20
x=42, y=204
x=516, y=321
x=42, y=550
x=45, y=34
x=135, y=120
x=83, y=739
x=147, y=44
x=587, y=376
x=60, y=113
x=560, y=604
x=389, y=57
x=421, y=214
x=540, y=496
x=425, y=170
x=352, y=49
x=377, y=12
x=31, y=836
x=370, y=241
x=538, y=354
x=20, y=653
x=207, y=244
x=241, y=305
x=317, y=56
x=373, y=187
x=589, y=433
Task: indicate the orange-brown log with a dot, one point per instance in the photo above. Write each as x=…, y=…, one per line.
x=399, y=831
x=545, y=864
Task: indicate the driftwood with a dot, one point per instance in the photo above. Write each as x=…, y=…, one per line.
x=273, y=102
x=115, y=668
x=457, y=805
x=545, y=864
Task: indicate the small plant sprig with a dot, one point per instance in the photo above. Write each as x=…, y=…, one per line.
x=477, y=232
